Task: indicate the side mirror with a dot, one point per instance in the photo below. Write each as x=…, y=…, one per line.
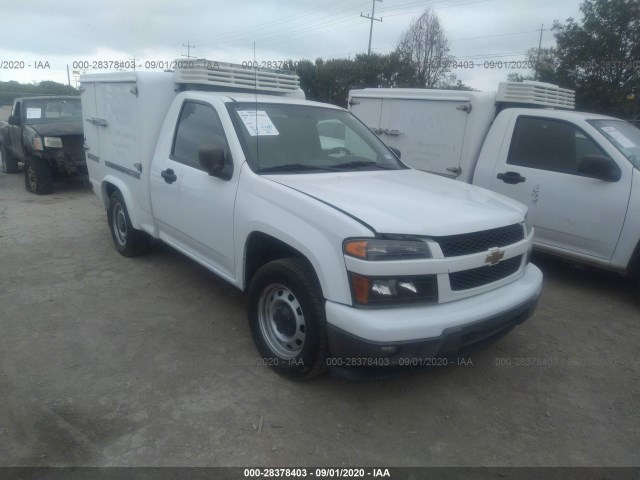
x=213, y=161
x=397, y=152
x=600, y=167
x=14, y=120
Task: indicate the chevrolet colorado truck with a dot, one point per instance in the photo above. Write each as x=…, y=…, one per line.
x=577, y=172
x=349, y=258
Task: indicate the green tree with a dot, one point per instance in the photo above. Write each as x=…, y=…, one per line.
x=599, y=56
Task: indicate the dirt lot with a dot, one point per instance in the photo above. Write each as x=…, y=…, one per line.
x=110, y=361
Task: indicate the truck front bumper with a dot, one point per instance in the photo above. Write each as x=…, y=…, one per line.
x=415, y=336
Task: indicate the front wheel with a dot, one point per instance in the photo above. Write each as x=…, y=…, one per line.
x=38, y=177
x=287, y=318
x=129, y=241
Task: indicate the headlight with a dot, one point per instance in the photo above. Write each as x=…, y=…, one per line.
x=387, y=291
x=53, y=142
x=37, y=143
x=381, y=249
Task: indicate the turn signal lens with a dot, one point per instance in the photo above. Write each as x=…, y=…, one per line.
x=360, y=288
x=37, y=143
x=356, y=248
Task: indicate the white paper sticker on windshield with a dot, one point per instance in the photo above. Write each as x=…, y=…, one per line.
x=618, y=137
x=257, y=122
x=34, y=112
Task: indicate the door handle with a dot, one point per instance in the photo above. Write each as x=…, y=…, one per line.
x=511, y=177
x=168, y=175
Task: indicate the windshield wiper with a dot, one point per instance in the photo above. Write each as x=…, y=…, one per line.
x=293, y=167
x=359, y=163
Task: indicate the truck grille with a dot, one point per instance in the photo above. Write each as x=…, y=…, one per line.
x=476, y=277
x=73, y=146
x=468, y=243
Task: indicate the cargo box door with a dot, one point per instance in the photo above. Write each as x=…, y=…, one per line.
x=118, y=125
x=89, y=124
x=429, y=133
x=368, y=110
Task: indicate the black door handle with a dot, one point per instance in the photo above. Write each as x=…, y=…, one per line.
x=168, y=175
x=511, y=177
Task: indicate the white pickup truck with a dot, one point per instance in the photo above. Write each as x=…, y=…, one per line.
x=349, y=257
x=577, y=172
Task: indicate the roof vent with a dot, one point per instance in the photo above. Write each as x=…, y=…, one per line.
x=234, y=76
x=536, y=93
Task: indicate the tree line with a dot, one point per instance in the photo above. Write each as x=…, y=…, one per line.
x=12, y=90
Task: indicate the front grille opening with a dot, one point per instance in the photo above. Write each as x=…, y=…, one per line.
x=469, y=243
x=480, y=276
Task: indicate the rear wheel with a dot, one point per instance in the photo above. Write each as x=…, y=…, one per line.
x=129, y=241
x=38, y=177
x=287, y=318
x=9, y=162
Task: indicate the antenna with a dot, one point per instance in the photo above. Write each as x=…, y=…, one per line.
x=255, y=92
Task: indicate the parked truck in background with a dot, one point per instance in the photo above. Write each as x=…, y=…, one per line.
x=349, y=258
x=577, y=172
x=45, y=135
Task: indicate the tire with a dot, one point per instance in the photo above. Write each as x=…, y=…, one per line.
x=9, y=162
x=38, y=177
x=129, y=241
x=287, y=318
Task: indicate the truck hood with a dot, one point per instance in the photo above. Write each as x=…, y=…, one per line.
x=57, y=129
x=409, y=201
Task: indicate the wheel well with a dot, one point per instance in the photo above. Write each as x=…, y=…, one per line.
x=634, y=263
x=109, y=188
x=261, y=249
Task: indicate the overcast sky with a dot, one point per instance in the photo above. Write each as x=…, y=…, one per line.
x=61, y=33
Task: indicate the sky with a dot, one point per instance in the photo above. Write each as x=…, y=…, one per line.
x=41, y=37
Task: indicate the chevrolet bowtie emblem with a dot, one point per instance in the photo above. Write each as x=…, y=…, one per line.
x=494, y=257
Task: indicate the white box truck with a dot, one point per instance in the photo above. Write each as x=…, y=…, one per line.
x=349, y=258
x=577, y=172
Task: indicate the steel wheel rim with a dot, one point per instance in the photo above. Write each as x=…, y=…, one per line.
x=281, y=321
x=31, y=176
x=119, y=221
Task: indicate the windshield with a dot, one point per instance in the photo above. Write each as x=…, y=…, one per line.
x=279, y=138
x=624, y=136
x=44, y=110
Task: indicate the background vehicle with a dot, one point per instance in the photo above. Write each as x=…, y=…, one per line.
x=577, y=172
x=45, y=134
x=349, y=257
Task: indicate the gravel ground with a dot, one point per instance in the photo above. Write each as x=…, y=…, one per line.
x=109, y=361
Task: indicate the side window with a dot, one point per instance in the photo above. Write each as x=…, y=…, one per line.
x=549, y=145
x=198, y=126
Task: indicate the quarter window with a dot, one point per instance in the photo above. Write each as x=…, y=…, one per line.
x=198, y=127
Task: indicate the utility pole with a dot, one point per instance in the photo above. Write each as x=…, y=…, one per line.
x=371, y=18
x=68, y=76
x=133, y=62
x=189, y=47
x=536, y=76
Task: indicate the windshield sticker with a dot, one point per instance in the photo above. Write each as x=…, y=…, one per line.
x=34, y=112
x=258, y=122
x=618, y=137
